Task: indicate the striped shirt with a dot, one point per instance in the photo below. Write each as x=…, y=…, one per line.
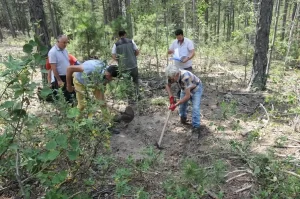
x=188, y=80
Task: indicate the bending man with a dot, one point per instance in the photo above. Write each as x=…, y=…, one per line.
x=91, y=72
x=191, y=89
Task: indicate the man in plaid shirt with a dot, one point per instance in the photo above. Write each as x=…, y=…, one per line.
x=191, y=89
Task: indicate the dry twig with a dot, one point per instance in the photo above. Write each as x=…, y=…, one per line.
x=292, y=173
x=234, y=172
x=268, y=117
x=243, y=189
x=237, y=176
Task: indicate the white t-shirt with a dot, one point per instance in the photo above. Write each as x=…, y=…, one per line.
x=183, y=50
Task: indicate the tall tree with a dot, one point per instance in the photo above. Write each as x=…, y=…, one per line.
x=9, y=17
x=38, y=20
x=259, y=78
x=295, y=17
x=285, y=9
x=277, y=11
x=53, y=26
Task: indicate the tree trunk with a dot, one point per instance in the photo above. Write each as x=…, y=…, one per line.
x=206, y=22
x=9, y=18
x=274, y=37
x=184, y=19
x=1, y=36
x=20, y=25
x=296, y=15
x=38, y=19
x=53, y=26
x=284, y=19
x=294, y=11
x=228, y=26
x=93, y=6
x=104, y=12
x=128, y=18
x=260, y=59
x=232, y=17
x=25, y=21
x=218, y=26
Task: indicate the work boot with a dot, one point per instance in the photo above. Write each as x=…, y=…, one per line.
x=196, y=132
x=183, y=120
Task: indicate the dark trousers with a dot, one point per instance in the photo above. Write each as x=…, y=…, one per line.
x=68, y=96
x=134, y=73
x=189, y=69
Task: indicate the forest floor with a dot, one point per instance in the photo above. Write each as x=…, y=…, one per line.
x=229, y=115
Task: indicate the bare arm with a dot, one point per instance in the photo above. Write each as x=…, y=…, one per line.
x=185, y=98
x=114, y=56
x=49, y=77
x=137, y=52
x=168, y=88
x=54, y=69
x=170, y=51
x=190, y=56
x=70, y=71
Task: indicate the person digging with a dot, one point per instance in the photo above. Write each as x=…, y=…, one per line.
x=191, y=89
x=95, y=75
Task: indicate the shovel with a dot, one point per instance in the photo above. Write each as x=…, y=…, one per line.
x=157, y=144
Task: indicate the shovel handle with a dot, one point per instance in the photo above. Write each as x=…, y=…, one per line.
x=163, y=131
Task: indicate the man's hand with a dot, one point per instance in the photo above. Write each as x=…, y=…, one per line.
x=172, y=101
x=172, y=107
x=70, y=88
x=185, y=59
x=60, y=83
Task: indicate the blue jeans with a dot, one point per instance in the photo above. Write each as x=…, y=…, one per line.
x=196, y=101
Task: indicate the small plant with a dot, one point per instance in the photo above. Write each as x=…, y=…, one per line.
x=228, y=108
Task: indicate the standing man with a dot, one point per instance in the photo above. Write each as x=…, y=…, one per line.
x=185, y=49
x=191, y=89
x=125, y=51
x=59, y=60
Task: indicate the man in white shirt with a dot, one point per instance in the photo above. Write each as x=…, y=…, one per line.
x=184, y=49
x=59, y=60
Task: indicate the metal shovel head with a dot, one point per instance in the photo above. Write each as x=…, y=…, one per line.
x=126, y=116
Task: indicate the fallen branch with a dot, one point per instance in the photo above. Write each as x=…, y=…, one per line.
x=231, y=73
x=243, y=189
x=292, y=139
x=240, y=175
x=285, y=146
x=268, y=117
x=234, y=172
x=75, y=194
x=292, y=173
x=211, y=194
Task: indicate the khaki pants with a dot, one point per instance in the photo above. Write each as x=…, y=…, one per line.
x=81, y=97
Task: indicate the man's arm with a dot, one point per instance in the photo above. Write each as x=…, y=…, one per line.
x=190, y=56
x=56, y=75
x=168, y=88
x=170, y=51
x=114, y=56
x=114, y=52
x=70, y=70
x=135, y=48
x=185, y=98
x=49, y=77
